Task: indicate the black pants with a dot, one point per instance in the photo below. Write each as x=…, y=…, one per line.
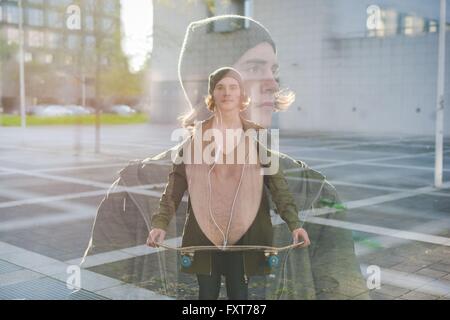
x=231, y=265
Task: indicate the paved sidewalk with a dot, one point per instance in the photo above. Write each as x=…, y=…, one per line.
x=49, y=193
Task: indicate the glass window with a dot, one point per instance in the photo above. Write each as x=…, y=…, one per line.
x=89, y=4
x=54, y=19
x=89, y=42
x=12, y=14
x=390, y=18
x=413, y=25
x=432, y=26
x=28, y=56
x=44, y=58
x=35, y=17
x=239, y=7
x=89, y=23
x=59, y=3
x=408, y=25
x=68, y=59
x=35, y=38
x=1, y=13
x=107, y=24
x=36, y=1
x=109, y=6
x=73, y=41
x=12, y=35
x=48, y=58
x=53, y=40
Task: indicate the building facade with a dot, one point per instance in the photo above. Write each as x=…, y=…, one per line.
x=355, y=66
x=61, y=42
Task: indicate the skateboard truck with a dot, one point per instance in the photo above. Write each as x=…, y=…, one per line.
x=272, y=259
x=186, y=259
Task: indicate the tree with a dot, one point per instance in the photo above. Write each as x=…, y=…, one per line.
x=6, y=52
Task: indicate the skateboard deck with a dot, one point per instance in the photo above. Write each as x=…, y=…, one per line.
x=271, y=253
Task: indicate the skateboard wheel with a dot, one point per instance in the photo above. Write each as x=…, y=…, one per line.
x=273, y=261
x=186, y=261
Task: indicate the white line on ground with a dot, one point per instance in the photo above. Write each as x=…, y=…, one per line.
x=78, y=195
x=90, y=281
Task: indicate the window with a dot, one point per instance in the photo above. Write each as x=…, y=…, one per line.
x=104, y=61
x=12, y=14
x=54, y=19
x=107, y=24
x=53, y=40
x=12, y=35
x=35, y=38
x=388, y=22
x=413, y=25
x=28, y=57
x=45, y=58
x=35, y=17
x=1, y=13
x=59, y=3
x=89, y=4
x=68, y=59
x=89, y=23
x=73, y=41
x=89, y=42
x=36, y=1
x=109, y=6
x=238, y=7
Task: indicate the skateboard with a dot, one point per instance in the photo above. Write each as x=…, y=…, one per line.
x=271, y=253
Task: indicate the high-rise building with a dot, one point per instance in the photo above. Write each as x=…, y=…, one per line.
x=64, y=40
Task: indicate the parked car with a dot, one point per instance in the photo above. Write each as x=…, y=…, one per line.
x=121, y=109
x=56, y=110
x=80, y=110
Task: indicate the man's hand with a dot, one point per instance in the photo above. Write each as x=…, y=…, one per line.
x=155, y=236
x=300, y=234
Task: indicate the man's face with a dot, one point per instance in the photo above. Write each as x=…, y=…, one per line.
x=259, y=69
x=227, y=95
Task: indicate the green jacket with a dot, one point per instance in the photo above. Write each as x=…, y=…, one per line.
x=259, y=233
x=327, y=269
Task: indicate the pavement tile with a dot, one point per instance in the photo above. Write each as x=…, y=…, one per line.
x=408, y=267
x=438, y=287
x=392, y=290
x=91, y=281
x=50, y=269
x=415, y=295
x=375, y=295
x=18, y=277
x=102, y=258
x=443, y=267
x=331, y=296
x=130, y=292
x=428, y=272
x=28, y=259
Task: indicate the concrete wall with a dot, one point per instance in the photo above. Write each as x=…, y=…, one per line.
x=342, y=82
x=170, y=19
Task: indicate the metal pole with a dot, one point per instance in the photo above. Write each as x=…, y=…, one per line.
x=83, y=89
x=438, y=166
x=22, y=69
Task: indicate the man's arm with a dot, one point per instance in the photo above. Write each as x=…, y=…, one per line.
x=171, y=198
x=284, y=201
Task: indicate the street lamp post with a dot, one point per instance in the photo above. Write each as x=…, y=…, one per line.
x=22, y=69
x=439, y=146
